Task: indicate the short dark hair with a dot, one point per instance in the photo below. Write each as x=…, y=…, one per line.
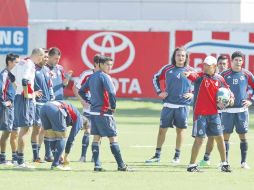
x=54, y=51
x=103, y=59
x=173, y=61
x=237, y=54
x=45, y=50
x=10, y=57
x=222, y=57
x=96, y=58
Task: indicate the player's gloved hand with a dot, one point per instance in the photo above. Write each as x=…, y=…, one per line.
x=11, y=77
x=163, y=95
x=246, y=103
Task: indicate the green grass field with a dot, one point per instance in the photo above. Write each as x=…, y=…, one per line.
x=137, y=123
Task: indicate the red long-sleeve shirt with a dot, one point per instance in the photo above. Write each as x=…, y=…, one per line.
x=205, y=90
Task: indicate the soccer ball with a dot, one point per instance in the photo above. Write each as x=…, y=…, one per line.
x=223, y=96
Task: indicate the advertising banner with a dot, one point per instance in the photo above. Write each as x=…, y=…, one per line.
x=137, y=56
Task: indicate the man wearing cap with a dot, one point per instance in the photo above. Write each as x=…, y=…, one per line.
x=205, y=115
x=222, y=65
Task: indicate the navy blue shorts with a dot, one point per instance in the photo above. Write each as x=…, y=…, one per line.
x=53, y=118
x=209, y=125
x=104, y=126
x=37, y=118
x=24, y=110
x=6, y=118
x=238, y=120
x=177, y=117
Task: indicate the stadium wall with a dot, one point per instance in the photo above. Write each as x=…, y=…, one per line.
x=191, y=10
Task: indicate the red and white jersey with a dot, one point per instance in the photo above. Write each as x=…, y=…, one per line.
x=83, y=78
x=25, y=69
x=205, y=90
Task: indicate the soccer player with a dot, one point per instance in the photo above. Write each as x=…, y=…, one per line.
x=206, y=118
x=7, y=95
x=43, y=84
x=23, y=103
x=103, y=105
x=237, y=115
x=59, y=78
x=177, y=97
x=86, y=107
x=222, y=65
x=55, y=117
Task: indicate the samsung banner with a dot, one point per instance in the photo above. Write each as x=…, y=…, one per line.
x=14, y=40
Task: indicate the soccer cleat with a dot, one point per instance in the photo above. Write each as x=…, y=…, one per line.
x=25, y=166
x=6, y=163
x=153, y=159
x=175, y=161
x=99, y=169
x=225, y=168
x=204, y=163
x=61, y=160
x=193, y=168
x=125, y=169
x=3, y=161
x=48, y=159
x=244, y=165
x=14, y=162
x=38, y=160
x=60, y=168
x=66, y=163
x=82, y=159
x=219, y=165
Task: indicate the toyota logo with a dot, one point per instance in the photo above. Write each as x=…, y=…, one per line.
x=109, y=43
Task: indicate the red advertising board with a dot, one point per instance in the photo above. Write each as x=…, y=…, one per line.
x=137, y=56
